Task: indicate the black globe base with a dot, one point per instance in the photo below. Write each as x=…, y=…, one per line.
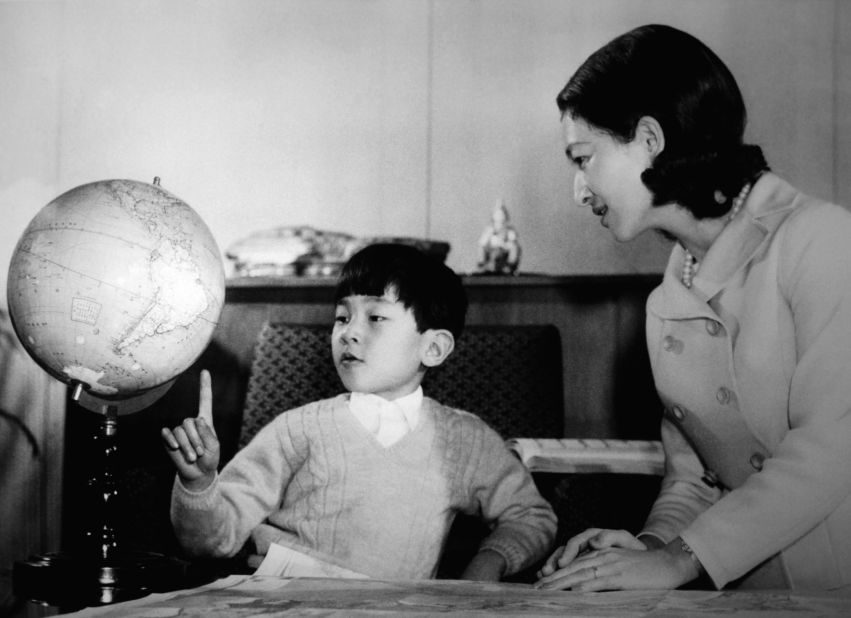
x=71, y=582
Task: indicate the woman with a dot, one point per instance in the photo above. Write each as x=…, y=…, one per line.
x=749, y=333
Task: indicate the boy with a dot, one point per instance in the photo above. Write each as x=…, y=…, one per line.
x=367, y=483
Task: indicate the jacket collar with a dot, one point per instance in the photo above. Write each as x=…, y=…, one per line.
x=769, y=203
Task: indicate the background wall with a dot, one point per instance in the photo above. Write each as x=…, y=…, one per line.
x=394, y=117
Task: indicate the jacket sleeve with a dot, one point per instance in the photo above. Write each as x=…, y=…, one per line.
x=502, y=489
x=683, y=494
x=809, y=473
x=216, y=522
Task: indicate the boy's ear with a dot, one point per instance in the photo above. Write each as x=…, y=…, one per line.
x=439, y=346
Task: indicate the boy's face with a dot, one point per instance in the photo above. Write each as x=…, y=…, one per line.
x=376, y=346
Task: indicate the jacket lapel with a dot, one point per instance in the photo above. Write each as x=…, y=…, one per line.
x=770, y=202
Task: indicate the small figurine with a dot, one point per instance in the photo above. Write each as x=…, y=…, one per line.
x=499, y=251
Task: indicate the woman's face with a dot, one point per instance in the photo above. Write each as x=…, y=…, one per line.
x=608, y=177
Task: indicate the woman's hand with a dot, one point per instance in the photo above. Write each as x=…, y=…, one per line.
x=615, y=560
x=590, y=539
x=194, y=446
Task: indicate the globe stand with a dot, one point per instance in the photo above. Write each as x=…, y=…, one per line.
x=102, y=572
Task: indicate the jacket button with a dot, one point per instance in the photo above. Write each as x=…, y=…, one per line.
x=678, y=413
x=723, y=395
x=757, y=460
x=713, y=327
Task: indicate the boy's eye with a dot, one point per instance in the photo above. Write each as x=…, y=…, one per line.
x=580, y=161
x=341, y=319
x=377, y=318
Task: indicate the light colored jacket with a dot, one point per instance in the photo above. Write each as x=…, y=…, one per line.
x=753, y=366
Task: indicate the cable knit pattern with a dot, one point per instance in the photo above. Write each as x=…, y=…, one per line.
x=317, y=481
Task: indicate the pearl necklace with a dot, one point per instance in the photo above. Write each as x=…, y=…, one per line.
x=690, y=263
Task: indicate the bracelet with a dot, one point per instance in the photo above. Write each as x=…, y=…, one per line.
x=685, y=547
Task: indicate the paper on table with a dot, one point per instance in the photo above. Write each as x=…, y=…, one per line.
x=283, y=561
x=591, y=455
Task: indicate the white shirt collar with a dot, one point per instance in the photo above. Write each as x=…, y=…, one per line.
x=365, y=406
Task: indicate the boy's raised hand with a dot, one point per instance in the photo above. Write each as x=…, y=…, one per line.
x=193, y=445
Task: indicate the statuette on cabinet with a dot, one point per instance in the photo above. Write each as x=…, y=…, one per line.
x=499, y=249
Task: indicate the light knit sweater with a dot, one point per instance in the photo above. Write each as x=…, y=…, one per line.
x=317, y=481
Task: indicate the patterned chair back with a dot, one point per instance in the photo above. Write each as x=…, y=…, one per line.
x=292, y=366
x=510, y=376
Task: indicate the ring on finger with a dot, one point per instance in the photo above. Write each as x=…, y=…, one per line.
x=596, y=572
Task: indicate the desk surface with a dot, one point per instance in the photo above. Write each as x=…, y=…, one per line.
x=244, y=595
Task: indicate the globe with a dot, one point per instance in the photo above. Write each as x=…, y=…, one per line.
x=115, y=288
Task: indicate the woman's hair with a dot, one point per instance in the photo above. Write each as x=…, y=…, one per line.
x=669, y=75
x=421, y=282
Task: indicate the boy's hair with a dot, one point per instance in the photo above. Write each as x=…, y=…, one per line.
x=421, y=283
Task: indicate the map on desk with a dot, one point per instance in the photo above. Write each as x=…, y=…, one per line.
x=256, y=596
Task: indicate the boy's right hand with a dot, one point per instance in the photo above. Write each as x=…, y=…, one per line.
x=193, y=445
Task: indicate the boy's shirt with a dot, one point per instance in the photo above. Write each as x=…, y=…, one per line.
x=389, y=421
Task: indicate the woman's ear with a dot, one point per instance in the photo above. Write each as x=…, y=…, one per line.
x=649, y=135
x=439, y=345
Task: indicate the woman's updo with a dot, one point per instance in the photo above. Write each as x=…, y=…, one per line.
x=669, y=75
